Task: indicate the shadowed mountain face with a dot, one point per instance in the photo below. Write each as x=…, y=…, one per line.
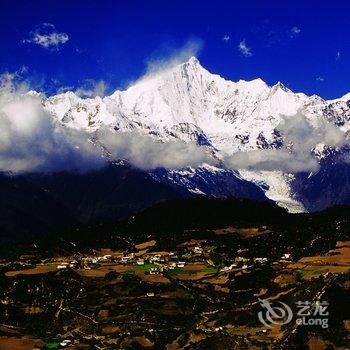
x=109, y=194
x=329, y=186
x=38, y=204
x=218, y=184
x=41, y=203
x=25, y=208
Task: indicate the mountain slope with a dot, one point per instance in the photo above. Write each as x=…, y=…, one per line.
x=329, y=186
x=27, y=209
x=38, y=204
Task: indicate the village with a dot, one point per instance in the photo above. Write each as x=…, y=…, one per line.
x=189, y=259
x=150, y=293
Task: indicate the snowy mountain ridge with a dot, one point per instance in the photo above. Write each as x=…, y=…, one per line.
x=188, y=103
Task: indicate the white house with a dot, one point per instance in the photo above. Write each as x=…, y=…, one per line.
x=286, y=256
x=198, y=250
x=140, y=262
x=63, y=266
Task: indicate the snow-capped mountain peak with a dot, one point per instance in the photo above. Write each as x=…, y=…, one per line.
x=233, y=116
x=188, y=103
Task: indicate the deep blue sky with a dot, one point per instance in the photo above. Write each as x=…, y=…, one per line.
x=114, y=40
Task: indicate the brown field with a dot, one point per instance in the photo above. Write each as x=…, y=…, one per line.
x=141, y=252
x=110, y=329
x=191, y=242
x=179, y=293
x=272, y=333
x=142, y=342
x=23, y=343
x=193, y=276
x=339, y=256
x=33, y=310
x=244, y=232
x=39, y=269
x=220, y=279
x=26, y=256
x=98, y=272
x=108, y=251
x=317, y=343
x=162, y=253
x=101, y=271
x=341, y=244
x=262, y=291
x=218, y=288
x=285, y=279
x=335, y=261
x=145, y=245
x=153, y=278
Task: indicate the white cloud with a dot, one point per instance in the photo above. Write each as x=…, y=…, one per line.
x=319, y=78
x=50, y=40
x=300, y=138
x=147, y=153
x=294, y=32
x=244, y=49
x=226, y=38
x=46, y=36
x=31, y=141
x=169, y=57
x=271, y=159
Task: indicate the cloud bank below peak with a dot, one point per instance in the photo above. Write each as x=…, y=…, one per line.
x=32, y=141
x=300, y=139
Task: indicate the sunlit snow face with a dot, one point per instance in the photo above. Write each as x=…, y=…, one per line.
x=31, y=140
x=66, y=132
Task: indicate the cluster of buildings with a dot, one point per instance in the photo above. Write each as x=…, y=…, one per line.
x=84, y=262
x=167, y=261
x=162, y=261
x=242, y=263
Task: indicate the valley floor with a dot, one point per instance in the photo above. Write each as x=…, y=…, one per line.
x=197, y=288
